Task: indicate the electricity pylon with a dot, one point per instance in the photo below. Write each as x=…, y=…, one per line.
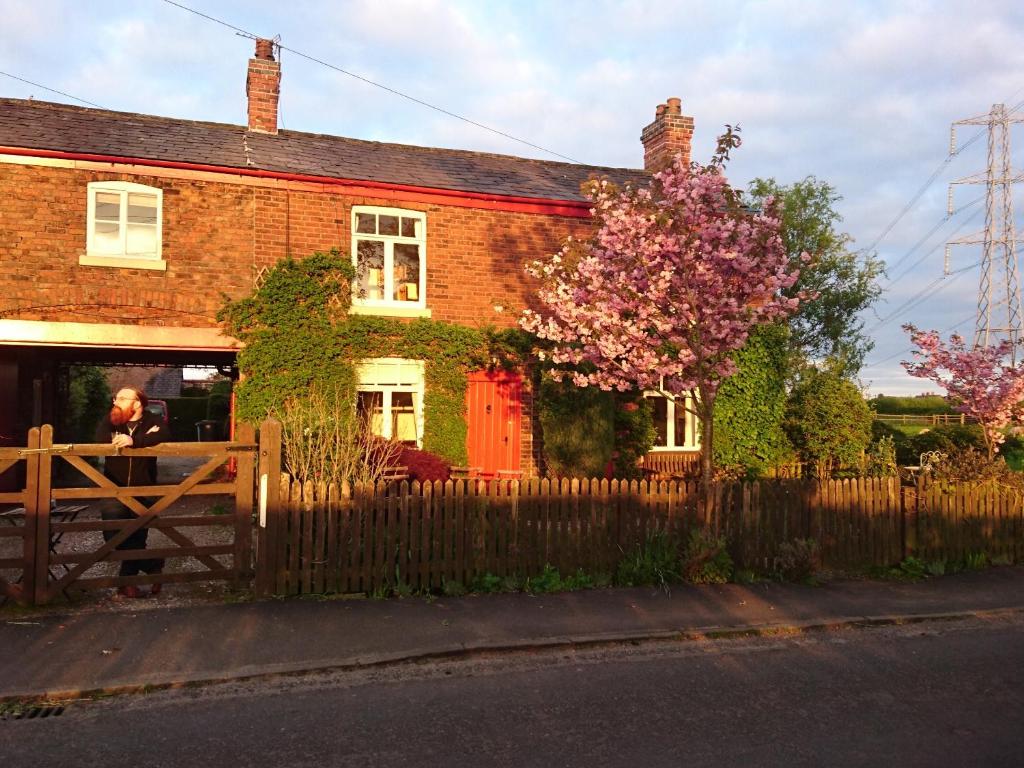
x=999, y=306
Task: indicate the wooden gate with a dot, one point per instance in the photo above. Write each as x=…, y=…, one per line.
x=48, y=513
x=493, y=415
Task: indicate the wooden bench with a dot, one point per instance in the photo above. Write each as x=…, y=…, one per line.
x=395, y=474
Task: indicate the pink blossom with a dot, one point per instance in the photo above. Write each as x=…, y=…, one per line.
x=666, y=288
x=978, y=382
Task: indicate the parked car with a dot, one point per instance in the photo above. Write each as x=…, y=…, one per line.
x=159, y=408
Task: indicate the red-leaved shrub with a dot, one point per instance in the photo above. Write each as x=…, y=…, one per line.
x=423, y=466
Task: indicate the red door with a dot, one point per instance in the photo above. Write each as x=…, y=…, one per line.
x=493, y=414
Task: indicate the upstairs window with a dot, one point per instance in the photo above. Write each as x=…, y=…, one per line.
x=123, y=225
x=389, y=252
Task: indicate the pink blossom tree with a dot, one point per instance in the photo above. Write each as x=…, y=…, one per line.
x=978, y=382
x=667, y=286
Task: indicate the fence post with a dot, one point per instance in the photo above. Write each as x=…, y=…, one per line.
x=270, y=527
x=910, y=500
x=244, y=487
x=42, y=514
x=28, y=549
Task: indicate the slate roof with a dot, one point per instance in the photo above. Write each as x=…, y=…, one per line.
x=33, y=124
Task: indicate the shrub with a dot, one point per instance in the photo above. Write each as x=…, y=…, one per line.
x=828, y=421
x=486, y=583
x=549, y=580
x=705, y=559
x=881, y=458
x=971, y=465
x=325, y=441
x=900, y=441
x=920, y=405
x=947, y=439
x=423, y=465
x=799, y=560
x=634, y=433
x=578, y=428
x=88, y=402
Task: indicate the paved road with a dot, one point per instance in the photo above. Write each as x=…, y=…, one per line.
x=936, y=694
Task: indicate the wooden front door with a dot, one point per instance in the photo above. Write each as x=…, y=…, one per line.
x=494, y=417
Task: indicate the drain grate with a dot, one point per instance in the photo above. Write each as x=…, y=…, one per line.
x=33, y=713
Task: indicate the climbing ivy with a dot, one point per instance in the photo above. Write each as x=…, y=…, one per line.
x=751, y=406
x=299, y=335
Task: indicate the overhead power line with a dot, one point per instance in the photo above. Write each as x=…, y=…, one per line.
x=935, y=286
x=908, y=350
x=931, y=180
x=421, y=102
x=51, y=90
x=932, y=231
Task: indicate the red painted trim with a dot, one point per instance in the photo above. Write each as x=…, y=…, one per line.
x=512, y=203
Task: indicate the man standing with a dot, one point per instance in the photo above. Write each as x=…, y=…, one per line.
x=129, y=425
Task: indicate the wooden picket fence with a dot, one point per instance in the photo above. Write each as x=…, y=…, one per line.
x=420, y=537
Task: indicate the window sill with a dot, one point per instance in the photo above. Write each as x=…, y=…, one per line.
x=122, y=262
x=389, y=311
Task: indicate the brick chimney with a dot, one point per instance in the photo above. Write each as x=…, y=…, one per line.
x=263, y=86
x=667, y=136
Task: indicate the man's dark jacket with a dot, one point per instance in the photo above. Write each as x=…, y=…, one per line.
x=133, y=470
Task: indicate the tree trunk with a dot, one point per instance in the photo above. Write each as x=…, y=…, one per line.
x=707, y=461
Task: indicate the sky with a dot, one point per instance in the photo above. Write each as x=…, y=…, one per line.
x=858, y=94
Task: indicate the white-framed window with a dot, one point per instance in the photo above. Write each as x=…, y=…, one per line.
x=124, y=225
x=389, y=252
x=675, y=425
x=390, y=395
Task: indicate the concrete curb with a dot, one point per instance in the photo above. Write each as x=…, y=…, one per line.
x=152, y=683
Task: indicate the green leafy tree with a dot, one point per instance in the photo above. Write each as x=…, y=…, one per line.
x=88, y=400
x=841, y=282
x=828, y=420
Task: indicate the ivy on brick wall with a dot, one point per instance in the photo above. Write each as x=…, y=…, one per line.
x=298, y=335
x=751, y=406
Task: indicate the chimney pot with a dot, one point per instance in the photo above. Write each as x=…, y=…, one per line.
x=264, y=49
x=659, y=111
x=675, y=106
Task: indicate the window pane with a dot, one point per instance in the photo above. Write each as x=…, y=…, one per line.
x=407, y=272
x=388, y=225
x=410, y=227
x=370, y=268
x=403, y=417
x=108, y=206
x=660, y=421
x=366, y=223
x=142, y=209
x=681, y=437
x=107, y=238
x=370, y=407
x=141, y=239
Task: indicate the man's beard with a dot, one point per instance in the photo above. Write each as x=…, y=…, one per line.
x=119, y=416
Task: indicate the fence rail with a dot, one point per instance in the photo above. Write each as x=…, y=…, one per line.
x=928, y=419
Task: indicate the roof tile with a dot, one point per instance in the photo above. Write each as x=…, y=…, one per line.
x=30, y=124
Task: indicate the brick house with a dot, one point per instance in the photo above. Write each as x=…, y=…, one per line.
x=118, y=233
